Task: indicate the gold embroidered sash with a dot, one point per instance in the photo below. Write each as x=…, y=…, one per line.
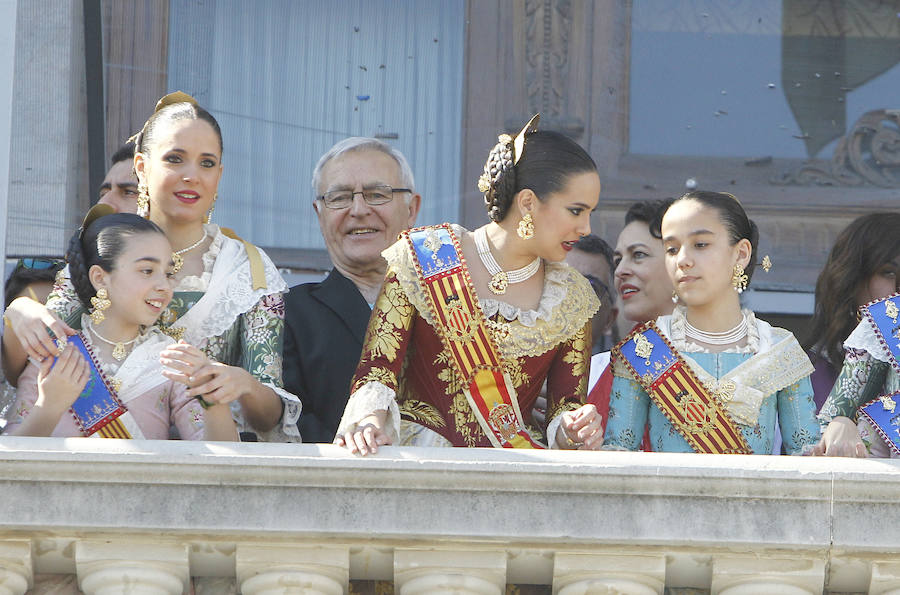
x=461, y=325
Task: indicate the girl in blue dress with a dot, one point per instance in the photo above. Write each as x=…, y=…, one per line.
x=754, y=374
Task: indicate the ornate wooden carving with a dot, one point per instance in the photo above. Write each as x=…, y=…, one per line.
x=548, y=39
x=868, y=155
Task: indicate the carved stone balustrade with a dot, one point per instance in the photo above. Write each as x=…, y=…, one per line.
x=279, y=518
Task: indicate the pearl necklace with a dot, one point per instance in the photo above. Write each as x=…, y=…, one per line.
x=178, y=259
x=118, y=351
x=501, y=279
x=724, y=338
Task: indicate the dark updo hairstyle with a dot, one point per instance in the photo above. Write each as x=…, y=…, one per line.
x=860, y=250
x=547, y=162
x=101, y=243
x=172, y=108
x=649, y=212
x=733, y=217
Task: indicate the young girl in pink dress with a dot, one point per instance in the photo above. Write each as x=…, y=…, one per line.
x=109, y=379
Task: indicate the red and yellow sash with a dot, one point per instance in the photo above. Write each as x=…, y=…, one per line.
x=461, y=325
x=699, y=416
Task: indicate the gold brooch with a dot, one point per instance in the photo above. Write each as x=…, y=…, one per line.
x=643, y=347
x=504, y=139
x=888, y=403
x=766, y=263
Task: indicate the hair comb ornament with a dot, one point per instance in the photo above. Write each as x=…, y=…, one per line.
x=519, y=140
x=95, y=213
x=174, y=97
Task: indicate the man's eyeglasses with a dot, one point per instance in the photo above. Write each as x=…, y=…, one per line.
x=601, y=289
x=376, y=195
x=38, y=264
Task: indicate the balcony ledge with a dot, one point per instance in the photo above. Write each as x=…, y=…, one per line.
x=696, y=519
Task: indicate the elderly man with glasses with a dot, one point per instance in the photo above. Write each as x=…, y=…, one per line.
x=364, y=197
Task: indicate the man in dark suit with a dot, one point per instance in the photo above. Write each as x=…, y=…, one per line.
x=365, y=196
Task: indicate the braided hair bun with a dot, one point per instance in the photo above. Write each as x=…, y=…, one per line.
x=498, y=182
x=542, y=161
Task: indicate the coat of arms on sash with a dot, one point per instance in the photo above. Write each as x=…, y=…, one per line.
x=698, y=416
x=503, y=418
x=460, y=323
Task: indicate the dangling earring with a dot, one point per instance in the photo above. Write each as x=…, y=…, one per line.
x=526, y=227
x=212, y=208
x=738, y=279
x=143, y=201
x=100, y=302
x=674, y=297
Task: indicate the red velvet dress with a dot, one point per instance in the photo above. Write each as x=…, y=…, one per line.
x=405, y=369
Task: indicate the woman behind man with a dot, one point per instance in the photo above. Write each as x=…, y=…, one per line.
x=227, y=312
x=711, y=377
x=469, y=325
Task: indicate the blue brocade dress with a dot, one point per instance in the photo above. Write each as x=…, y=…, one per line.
x=772, y=385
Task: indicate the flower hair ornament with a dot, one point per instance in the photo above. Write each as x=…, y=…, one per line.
x=515, y=144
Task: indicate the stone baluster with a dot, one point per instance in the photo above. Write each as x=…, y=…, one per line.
x=584, y=574
x=15, y=567
x=885, y=578
x=444, y=572
x=137, y=568
x=750, y=574
x=312, y=570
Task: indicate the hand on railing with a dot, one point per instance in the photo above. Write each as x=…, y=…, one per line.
x=581, y=429
x=840, y=439
x=367, y=436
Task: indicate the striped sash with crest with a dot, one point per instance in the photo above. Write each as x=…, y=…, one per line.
x=460, y=323
x=696, y=413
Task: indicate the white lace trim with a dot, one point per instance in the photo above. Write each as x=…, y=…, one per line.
x=201, y=282
x=863, y=338
x=680, y=341
x=413, y=434
x=552, y=429
x=230, y=292
x=370, y=397
x=141, y=370
x=286, y=430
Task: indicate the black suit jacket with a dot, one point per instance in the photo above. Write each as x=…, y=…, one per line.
x=325, y=324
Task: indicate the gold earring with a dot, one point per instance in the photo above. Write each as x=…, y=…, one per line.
x=212, y=208
x=143, y=201
x=738, y=279
x=100, y=302
x=526, y=227
x=674, y=297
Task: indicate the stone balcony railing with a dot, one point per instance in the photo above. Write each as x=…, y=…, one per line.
x=154, y=517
